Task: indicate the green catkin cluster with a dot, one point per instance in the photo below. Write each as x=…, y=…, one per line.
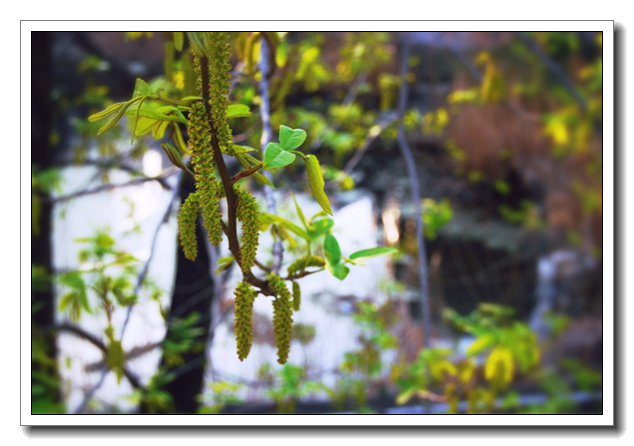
x=248, y=213
x=303, y=263
x=282, y=317
x=297, y=296
x=219, y=84
x=187, y=226
x=243, y=315
x=207, y=187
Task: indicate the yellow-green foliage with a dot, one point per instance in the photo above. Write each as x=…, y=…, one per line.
x=305, y=262
x=249, y=214
x=219, y=83
x=202, y=158
x=187, y=226
x=282, y=317
x=243, y=314
x=297, y=296
x=115, y=356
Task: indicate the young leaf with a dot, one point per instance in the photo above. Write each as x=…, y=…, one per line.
x=141, y=88
x=291, y=139
x=275, y=156
x=242, y=149
x=282, y=222
x=320, y=227
x=340, y=271
x=238, y=111
x=178, y=40
x=180, y=142
x=105, y=113
x=113, y=121
x=372, y=252
x=299, y=212
x=223, y=264
x=332, y=250
x=316, y=181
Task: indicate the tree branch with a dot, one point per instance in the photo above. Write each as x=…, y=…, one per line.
x=553, y=67
x=65, y=326
x=413, y=178
x=108, y=187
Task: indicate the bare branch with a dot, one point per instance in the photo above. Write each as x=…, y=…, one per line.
x=109, y=187
x=413, y=178
x=65, y=326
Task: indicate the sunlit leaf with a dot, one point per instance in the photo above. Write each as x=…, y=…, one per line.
x=320, y=227
x=481, y=344
x=316, y=182
x=141, y=88
x=332, y=250
x=224, y=263
x=238, y=111
x=340, y=271
x=105, y=113
x=291, y=139
x=178, y=40
x=275, y=156
x=299, y=212
x=372, y=252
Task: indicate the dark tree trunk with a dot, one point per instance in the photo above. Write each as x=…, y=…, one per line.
x=193, y=292
x=42, y=157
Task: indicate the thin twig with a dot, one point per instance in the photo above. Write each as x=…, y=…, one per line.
x=265, y=70
x=144, y=271
x=109, y=187
x=65, y=326
x=413, y=178
x=553, y=67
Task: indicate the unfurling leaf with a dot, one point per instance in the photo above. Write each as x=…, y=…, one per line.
x=238, y=111
x=105, y=113
x=378, y=251
x=141, y=88
x=178, y=40
x=316, y=182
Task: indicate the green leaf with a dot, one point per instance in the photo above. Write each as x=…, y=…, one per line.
x=316, y=182
x=238, y=111
x=105, y=113
x=243, y=149
x=332, y=250
x=275, y=156
x=481, y=344
x=104, y=241
x=282, y=222
x=320, y=227
x=159, y=131
x=340, y=271
x=372, y=252
x=73, y=280
x=223, y=264
x=141, y=88
x=113, y=121
x=299, y=212
x=291, y=139
x=178, y=40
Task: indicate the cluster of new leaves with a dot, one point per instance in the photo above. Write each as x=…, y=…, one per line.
x=210, y=137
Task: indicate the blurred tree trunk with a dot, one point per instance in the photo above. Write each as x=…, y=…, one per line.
x=193, y=293
x=42, y=157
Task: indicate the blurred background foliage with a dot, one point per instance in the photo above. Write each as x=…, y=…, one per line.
x=506, y=130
